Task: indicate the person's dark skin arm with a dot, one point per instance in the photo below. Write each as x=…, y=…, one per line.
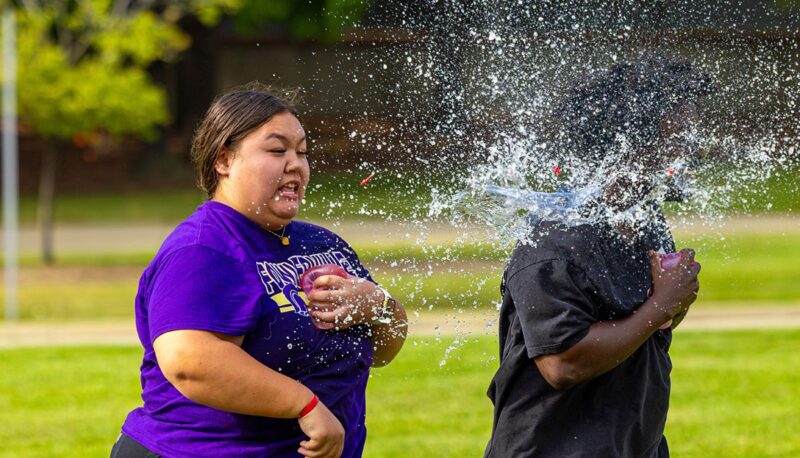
x=678, y=318
x=608, y=343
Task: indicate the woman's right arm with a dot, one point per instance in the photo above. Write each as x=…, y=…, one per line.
x=213, y=370
x=608, y=343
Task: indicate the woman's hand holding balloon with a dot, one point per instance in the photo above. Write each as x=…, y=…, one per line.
x=340, y=303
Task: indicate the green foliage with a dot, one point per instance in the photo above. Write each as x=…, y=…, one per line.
x=83, y=64
x=313, y=19
x=209, y=12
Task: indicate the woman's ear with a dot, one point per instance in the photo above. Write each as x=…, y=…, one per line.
x=223, y=163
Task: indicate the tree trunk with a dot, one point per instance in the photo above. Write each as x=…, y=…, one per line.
x=47, y=185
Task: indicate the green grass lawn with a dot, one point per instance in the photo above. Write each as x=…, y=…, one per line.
x=742, y=270
x=749, y=193
x=746, y=267
x=327, y=197
x=735, y=394
x=85, y=300
x=390, y=194
x=162, y=206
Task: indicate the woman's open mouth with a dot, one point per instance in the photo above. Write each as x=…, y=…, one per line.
x=290, y=192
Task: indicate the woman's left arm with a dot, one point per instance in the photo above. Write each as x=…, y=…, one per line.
x=389, y=330
x=343, y=302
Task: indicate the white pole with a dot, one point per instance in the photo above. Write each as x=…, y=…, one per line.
x=10, y=164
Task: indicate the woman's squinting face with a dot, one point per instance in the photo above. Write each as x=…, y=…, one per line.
x=266, y=176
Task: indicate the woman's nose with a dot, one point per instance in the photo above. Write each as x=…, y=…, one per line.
x=293, y=161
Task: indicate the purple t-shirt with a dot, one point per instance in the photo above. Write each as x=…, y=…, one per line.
x=219, y=271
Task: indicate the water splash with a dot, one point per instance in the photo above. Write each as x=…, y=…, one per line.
x=460, y=102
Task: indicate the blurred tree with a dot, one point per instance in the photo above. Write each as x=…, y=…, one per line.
x=83, y=73
x=83, y=65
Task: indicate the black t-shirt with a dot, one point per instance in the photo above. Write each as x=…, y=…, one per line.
x=552, y=293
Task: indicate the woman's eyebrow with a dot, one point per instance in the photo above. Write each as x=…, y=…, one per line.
x=283, y=138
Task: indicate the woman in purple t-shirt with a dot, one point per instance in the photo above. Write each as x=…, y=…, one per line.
x=238, y=361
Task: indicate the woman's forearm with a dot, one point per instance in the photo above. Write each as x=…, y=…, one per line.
x=607, y=344
x=217, y=373
x=388, y=338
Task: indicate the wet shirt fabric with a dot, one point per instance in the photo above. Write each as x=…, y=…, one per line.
x=219, y=271
x=552, y=293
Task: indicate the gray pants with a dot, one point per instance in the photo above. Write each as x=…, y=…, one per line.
x=126, y=447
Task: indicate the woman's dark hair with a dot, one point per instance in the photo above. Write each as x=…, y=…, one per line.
x=228, y=120
x=629, y=99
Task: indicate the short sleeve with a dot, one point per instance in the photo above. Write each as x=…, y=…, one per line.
x=553, y=310
x=199, y=288
x=354, y=263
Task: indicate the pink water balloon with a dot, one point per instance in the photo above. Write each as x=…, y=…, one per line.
x=670, y=261
x=307, y=283
x=312, y=273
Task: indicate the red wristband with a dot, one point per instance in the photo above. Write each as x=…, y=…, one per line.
x=309, y=407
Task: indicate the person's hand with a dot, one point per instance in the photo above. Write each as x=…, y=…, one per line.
x=676, y=289
x=337, y=302
x=325, y=434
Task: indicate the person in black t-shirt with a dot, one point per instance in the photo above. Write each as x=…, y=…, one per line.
x=587, y=314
